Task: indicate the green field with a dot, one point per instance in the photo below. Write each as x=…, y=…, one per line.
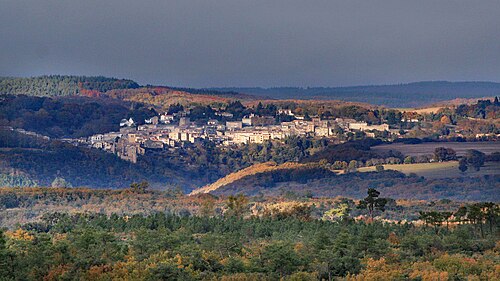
x=438, y=170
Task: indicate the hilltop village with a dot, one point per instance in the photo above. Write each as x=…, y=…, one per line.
x=171, y=131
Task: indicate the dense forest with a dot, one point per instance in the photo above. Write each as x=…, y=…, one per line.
x=287, y=244
x=59, y=85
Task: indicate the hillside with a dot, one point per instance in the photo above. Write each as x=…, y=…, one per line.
x=27, y=160
x=299, y=180
x=401, y=95
x=164, y=96
x=283, y=172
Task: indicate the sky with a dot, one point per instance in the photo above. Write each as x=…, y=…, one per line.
x=219, y=43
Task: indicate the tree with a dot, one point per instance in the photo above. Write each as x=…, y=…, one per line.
x=408, y=160
x=307, y=117
x=5, y=259
x=372, y=202
x=433, y=218
x=462, y=165
x=476, y=216
x=475, y=158
x=280, y=257
x=140, y=187
x=379, y=168
x=340, y=213
x=444, y=154
x=460, y=214
x=207, y=208
x=491, y=214
x=337, y=256
x=353, y=165
x=391, y=118
x=60, y=182
x=445, y=119
x=237, y=205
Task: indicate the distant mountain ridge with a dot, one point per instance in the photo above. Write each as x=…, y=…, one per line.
x=414, y=94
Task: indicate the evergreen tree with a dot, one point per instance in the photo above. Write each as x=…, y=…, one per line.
x=372, y=202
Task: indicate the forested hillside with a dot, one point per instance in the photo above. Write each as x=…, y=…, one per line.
x=59, y=85
x=276, y=173
x=42, y=161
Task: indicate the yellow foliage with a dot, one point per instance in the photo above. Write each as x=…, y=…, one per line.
x=20, y=234
x=378, y=270
x=299, y=247
x=458, y=265
x=179, y=261
x=445, y=119
x=427, y=272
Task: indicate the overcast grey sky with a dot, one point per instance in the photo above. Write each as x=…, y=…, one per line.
x=253, y=43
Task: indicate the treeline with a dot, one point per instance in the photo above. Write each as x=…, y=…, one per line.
x=289, y=246
x=358, y=150
x=485, y=109
x=59, y=85
x=69, y=117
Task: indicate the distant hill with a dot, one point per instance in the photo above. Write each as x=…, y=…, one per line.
x=401, y=95
x=62, y=85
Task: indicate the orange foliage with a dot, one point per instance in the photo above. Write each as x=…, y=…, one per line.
x=20, y=234
x=56, y=273
x=378, y=270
